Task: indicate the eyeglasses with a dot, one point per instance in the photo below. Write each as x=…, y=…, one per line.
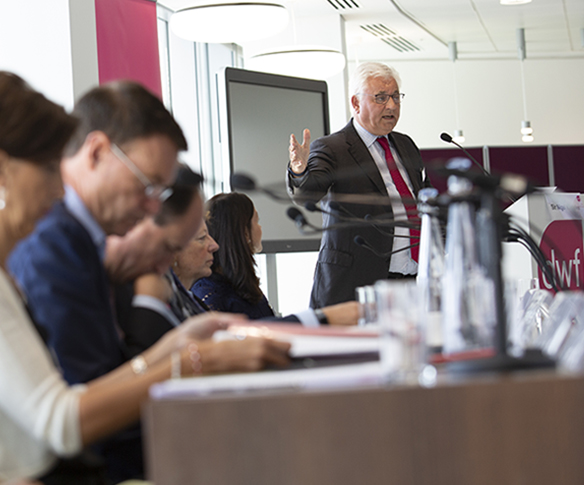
x=152, y=191
x=384, y=98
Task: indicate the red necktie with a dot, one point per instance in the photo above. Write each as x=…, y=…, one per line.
x=405, y=194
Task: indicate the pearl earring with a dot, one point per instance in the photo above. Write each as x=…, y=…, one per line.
x=2, y=197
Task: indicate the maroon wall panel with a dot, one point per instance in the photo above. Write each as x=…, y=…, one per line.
x=569, y=168
x=127, y=42
x=530, y=161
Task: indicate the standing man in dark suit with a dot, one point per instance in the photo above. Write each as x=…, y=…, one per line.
x=366, y=169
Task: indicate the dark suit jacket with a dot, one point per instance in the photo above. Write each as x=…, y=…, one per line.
x=341, y=168
x=67, y=290
x=68, y=293
x=144, y=326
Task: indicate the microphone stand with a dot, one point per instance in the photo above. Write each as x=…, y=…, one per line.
x=488, y=222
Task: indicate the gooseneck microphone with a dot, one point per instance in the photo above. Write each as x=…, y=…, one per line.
x=242, y=181
x=510, y=183
x=368, y=220
x=312, y=207
x=303, y=224
x=448, y=139
x=360, y=241
x=334, y=205
x=297, y=216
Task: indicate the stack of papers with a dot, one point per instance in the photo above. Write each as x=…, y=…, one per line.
x=324, y=344
x=322, y=358
x=332, y=377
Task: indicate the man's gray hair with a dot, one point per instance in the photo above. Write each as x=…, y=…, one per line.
x=368, y=70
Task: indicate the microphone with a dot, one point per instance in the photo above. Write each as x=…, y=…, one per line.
x=359, y=240
x=378, y=224
x=340, y=208
x=301, y=222
x=312, y=207
x=245, y=182
x=242, y=181
x=380, y=218
x=448, y=139
x=368, y=220
x=509, y=183
x=297, y=216
x=348, y=217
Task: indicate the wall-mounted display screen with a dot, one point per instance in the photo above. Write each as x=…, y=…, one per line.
x=259, y=112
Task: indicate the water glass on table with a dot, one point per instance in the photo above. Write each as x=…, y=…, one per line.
x=365, y=296
x=402, y=341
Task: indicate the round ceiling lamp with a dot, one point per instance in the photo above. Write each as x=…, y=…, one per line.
x=514, y=2
x=229, y=22
x=313, y=62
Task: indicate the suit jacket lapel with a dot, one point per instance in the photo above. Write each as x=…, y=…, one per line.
x=362, y=157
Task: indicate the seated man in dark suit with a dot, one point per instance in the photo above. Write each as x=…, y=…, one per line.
x=117, y=169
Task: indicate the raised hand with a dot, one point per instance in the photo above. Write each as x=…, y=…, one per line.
x=299, y=153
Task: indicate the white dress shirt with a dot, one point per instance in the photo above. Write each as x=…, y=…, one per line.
x=401, y=262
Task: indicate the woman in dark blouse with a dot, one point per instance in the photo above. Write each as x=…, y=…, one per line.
x=233, y=286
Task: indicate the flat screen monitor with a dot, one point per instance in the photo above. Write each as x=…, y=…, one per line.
x=259, y=111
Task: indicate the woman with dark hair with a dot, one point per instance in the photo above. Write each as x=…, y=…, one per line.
x=233, y=286
x=42, y=418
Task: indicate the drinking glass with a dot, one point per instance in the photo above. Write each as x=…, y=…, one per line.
x=402, y=343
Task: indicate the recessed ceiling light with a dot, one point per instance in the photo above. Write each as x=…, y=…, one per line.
x=313, y=62
x=514, y=2
x=223, y=21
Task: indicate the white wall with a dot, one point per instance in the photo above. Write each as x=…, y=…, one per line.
x=490, y=101
x=489, y=92
x=41, y=40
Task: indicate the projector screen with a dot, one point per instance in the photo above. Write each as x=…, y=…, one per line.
x=259, y=112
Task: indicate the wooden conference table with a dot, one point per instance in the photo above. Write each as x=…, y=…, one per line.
x=524, y=428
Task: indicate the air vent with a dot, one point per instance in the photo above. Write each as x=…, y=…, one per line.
x=344, y=4
x=391, y=38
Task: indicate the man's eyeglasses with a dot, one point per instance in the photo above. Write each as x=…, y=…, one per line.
x=384, y=98
x=152, y=191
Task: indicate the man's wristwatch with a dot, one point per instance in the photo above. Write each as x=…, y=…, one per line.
x=321, y=317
